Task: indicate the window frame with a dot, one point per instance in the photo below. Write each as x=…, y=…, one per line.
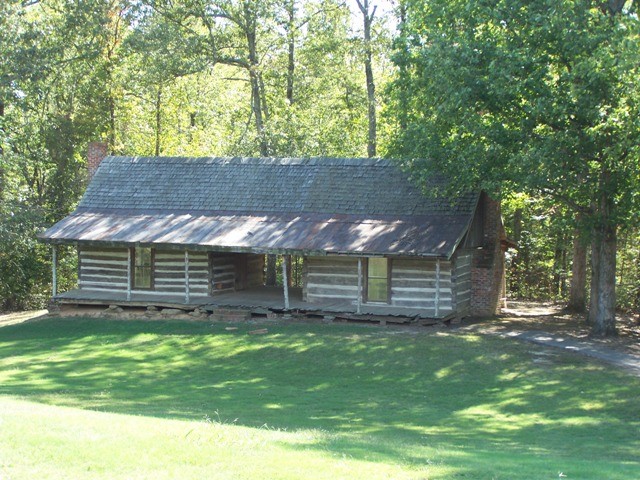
x=152, y=262
x=366, y=282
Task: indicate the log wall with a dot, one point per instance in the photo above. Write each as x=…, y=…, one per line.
x=331, y=279
x=223, y=272
x=462, y=273
x=414, y=283
x=169, y=273
x=106, y=269
x=235, y=271
x=255, y=270
x=102, y=269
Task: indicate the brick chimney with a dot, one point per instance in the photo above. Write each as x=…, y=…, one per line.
x=488, y=270
x=96, y=151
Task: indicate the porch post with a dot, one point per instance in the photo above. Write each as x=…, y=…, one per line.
x=359, y=304
x=128, y=273
x=54, y=270
x=285, y=282
x=437, y=287
x=186, y=276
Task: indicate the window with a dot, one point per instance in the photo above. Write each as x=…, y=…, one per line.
x=142, y=263
x=377, y=280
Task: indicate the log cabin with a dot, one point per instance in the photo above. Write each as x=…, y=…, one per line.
x=351, y=235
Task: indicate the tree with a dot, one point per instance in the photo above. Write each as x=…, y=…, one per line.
x=230, y=32
x=577, y=297
x=368, y=14
x=538, y=267
x=524, y=96
x=156, y=55
x=328, y=116
x=290, y=26
x=55, y=93
x=170, y=77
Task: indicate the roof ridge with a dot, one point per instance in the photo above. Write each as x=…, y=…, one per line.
x=291, y=161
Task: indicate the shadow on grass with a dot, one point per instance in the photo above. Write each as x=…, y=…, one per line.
x=399, y=398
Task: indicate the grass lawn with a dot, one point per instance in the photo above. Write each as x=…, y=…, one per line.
x=100, y=399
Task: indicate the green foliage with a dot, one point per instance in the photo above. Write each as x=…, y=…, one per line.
x=527, y=97
x=629, y=272
x=539, y=267
x=54, y=99
x=23, y=266
x=523, y=97
x=166, y=77
x=211, y=108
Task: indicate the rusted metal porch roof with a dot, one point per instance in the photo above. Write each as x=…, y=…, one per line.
x=312, y=234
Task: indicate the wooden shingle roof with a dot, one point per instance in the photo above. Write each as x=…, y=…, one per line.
x=312, y=205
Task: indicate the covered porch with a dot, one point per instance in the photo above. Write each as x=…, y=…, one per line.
x=257, y=299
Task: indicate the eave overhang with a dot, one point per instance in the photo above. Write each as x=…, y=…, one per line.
x=299, y=234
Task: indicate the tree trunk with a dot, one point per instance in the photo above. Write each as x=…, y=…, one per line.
x=111, y=104
x=254, y=77
x=1, y=126
x=602, y=314
x=371, y=87
x=1, y=150
x=256, y=105
x=563, y=277
x=577, y=294
x=111, y=136
x=402, y=70
x=557, y=265
x=192, y=126
x=263, y=100
x=291, y=11
x=593, y=289
x=605, y=318
x=289, y=271
x=517, y=225
x=636, y=305
x=270, y=281
x=158, y=120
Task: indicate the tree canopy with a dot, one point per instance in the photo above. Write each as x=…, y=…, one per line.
x=157, y=77
x=533, y=97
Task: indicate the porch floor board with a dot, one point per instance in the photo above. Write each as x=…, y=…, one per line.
x=271, y=298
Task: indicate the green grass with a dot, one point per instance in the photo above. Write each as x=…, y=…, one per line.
x=114, y=399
